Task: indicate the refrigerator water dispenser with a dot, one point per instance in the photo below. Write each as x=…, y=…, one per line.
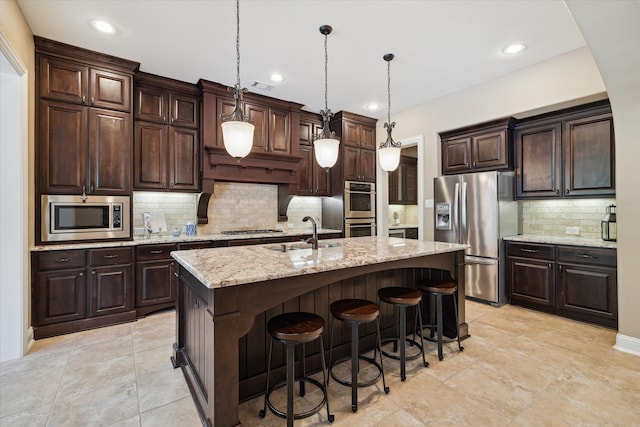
x=443, y=216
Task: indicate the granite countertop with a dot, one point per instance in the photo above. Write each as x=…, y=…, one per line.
x=562, y=240
x=222, y=267
x=168, y=238
x=395, y=227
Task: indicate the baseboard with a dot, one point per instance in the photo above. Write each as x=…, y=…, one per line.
x=627, y=344
x=30, y=340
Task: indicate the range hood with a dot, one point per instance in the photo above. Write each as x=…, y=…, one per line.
x=259, y=167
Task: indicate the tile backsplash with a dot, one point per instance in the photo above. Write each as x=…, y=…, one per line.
x=552, y=217
x=232, y=206
x=407, y=214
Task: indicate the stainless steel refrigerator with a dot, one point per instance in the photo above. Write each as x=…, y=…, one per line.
x=478, y=209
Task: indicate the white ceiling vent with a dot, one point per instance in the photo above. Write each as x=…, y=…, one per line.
x=262, y=86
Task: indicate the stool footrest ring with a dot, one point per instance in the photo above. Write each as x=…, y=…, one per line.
x=411, y=342
x=299, y=415
x=359, y=384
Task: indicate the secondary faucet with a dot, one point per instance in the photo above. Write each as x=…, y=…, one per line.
x=313, y=240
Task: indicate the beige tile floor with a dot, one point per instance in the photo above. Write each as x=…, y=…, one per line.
x=519, y=368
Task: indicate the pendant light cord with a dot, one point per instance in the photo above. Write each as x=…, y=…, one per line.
x=238, y=42
x=389, y=91
x=326, y=67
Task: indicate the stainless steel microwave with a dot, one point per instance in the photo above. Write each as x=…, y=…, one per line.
x=68, y=218
x=359, y=199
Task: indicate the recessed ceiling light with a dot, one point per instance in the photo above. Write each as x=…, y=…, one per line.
x=372, y=106
x=276, y=77
x=512, y=49
x=103, y=26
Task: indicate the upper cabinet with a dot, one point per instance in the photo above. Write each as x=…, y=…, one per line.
x=569, y=153
x=403, y=182
x=482, y=147
x=166, y=136
x=357, y=158
x=314, y=179
x=83, y=139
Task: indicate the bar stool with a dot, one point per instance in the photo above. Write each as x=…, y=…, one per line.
x=439, y=290
x=401, y=298
x=292, y=329
x=354, y=312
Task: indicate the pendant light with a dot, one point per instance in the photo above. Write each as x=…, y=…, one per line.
x=389, y=151
x=237, y=132
x=326, y=144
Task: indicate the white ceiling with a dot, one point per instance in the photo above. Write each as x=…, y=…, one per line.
x=440, y=46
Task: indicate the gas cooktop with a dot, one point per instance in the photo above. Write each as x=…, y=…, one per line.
x=260, y=231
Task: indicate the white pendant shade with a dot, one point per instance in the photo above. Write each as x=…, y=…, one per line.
x=389, y=158
x=326, y=151
x=237, y=137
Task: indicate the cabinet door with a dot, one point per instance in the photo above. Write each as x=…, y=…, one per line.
x=109, y=89
x=367, y=164
x=183, y=155
x=259, y=116
x=351, y=167
x=184, y=110
x=110, y=290
x=62, y=148
x=396, y=186
x=531, y=281
x=321, y=179
x=538, y=161
x=152, y=104
x=456, y=155
x=61, y=296
x=490, y=151
x=279, y=132
x=590, y=291
x=368, y=137
x=351, y=134
x=155, y=283
x=150, y=156
x=410, y=172
x=305, y=171
x=589, y=156
x=109, y=152
x=63, y=80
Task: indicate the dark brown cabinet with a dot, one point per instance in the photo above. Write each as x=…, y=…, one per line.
x=111, y=281
x=482, y=147
x=569, y=153
x=166, y=136
x=155, y=279
x=572, y=281
x=81, y=289
x=403, y=182
x=357, y=159
x=314, y=179
x=411, y=233
x=83, y=140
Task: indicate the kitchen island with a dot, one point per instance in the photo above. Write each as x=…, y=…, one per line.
x=227, y=294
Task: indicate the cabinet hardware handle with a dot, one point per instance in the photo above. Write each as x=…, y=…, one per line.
x=80, y=274
x=93, y=272
x=176, y=274
x=91, y=188
x=567, y=191
x=171, y=185
x=530, y=251
x=84, y=99
x=157, y=251
x=549, y=265
x=62, y=260
x=93, y=100
x=587, y=256
x=557, y=191
x=560, y=267
x=111, y=256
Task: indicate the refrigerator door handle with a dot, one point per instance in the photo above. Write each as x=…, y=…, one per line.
x=464, y=224
x=456, y=216
x=469, y=260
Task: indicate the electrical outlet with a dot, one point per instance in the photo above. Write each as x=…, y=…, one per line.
x=572, y=230
x=428, y=203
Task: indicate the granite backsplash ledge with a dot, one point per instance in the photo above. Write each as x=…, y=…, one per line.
x=552, y=217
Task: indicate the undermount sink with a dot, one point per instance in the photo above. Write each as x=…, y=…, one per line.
x=286, y=247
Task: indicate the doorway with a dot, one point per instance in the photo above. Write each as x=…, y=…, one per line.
x=409, y=214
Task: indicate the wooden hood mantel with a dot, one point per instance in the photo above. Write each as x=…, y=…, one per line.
x=275, y=155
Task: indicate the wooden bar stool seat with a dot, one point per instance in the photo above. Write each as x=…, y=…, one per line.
x=355, y=312
x=401, y=298
x=292, y=329
x=438, y=291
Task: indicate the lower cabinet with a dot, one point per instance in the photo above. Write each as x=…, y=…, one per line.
x=572, y=281
x=73, y=290
x=155, y=282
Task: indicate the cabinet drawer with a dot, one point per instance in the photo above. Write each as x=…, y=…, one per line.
x=110, y=256
x=530, y=250
x=150, y=252
x=195, y=245
x=59, y=260
x=582, y=255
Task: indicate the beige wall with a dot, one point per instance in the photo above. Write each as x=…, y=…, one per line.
x=611, y=29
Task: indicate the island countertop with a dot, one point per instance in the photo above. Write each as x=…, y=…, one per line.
x=223, y=267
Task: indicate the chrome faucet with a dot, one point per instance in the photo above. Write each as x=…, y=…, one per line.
x=313, y=240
